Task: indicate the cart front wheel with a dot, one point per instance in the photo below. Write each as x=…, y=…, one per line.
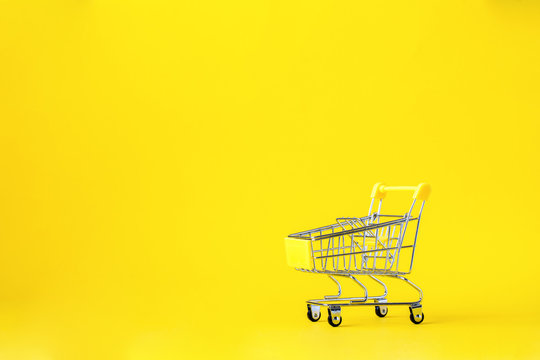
x=313, y=315
x=334, y=319
x=381, y=311
x=333, y=322
x=415, y=319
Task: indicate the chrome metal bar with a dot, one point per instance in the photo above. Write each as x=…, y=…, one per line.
x=377, y=272
x=412, y=285
x=320, y=249
x=364, y=252
x=323, y=228
x=416, y=235
x=359, y=230
x=351, y=303
x=383, y=284
x=363, y=287
x=339, y=289
x=400, y=241
x=324, y=250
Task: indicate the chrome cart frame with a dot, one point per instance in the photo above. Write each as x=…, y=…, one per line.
x=370, y=246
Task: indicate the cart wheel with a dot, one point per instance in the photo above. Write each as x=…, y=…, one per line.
x=313, y=315
x=416, y=320
x=381, y=311
x=332, y=323
x=335, y=320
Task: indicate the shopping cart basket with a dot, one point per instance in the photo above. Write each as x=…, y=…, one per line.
x=372, y=245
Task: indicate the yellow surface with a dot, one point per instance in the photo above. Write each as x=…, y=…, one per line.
x=298, y=253
x=155, y=153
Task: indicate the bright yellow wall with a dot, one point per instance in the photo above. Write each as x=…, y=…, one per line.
x=154, y=154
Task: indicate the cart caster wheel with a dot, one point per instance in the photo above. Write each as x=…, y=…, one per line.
x=416, y=319
x=334, y=323
x=417, y=316
x=334, y=317
x=381, y=311
x=313, y=313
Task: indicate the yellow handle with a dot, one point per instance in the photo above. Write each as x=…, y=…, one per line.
x=421, y=192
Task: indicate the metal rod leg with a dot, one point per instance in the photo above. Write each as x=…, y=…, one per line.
x=363, y=287
x=412, y=285
x=383, y=284
x=339, y=289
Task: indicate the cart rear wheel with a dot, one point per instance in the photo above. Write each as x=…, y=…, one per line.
x=381, y=311
x=416, y=320
x=334, y=320
x=313, y=315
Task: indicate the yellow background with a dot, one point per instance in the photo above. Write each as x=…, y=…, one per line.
x=154, y=154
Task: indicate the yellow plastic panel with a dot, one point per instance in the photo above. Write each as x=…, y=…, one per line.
x=299, y=253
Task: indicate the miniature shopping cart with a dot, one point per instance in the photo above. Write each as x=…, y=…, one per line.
x=375, y=245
